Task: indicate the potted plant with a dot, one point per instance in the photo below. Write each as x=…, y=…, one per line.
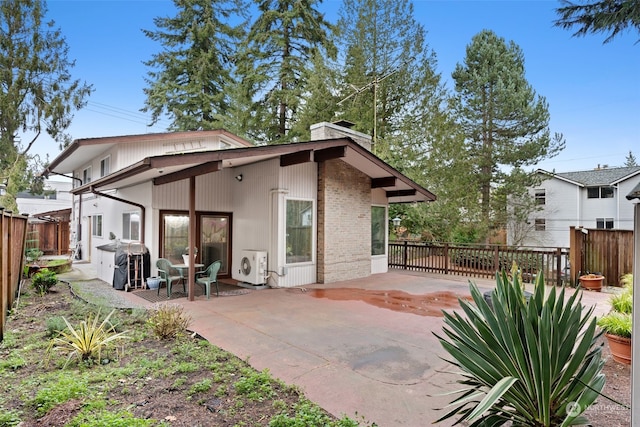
x=591, y=282
x=617, y=324
x=185, y=255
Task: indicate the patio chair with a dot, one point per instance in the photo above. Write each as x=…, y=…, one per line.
x=209, y=276
x=165, y=272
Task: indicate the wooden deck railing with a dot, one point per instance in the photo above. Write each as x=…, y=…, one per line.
x=481, y=260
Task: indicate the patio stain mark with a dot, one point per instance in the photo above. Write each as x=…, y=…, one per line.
x=430, y=304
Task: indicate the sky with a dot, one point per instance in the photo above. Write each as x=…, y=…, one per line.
x=592, y=89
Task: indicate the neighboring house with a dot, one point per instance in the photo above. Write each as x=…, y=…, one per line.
x=316, y=208
x=56, y=196
x=590, y=199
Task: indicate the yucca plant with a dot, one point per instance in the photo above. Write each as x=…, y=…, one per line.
x=532, y=363
x=87, y=341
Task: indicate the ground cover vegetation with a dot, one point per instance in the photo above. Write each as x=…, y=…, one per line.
x=64, y=362
x=267, y=69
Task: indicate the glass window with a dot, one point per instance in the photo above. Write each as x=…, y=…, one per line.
x=175, y=237
x=604, y=223
x=299, y=238
x=606, y=192
x=540, y=224
x=540, y=196
x=86, y=175
x=131, y=225
x=105, y=165
x=96, y=225
x=593, y=192
x=378, y=230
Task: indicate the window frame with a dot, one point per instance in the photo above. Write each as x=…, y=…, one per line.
x=385, y=231
x=311, y=230
x=105, y=161
x=97, y=225
x=86, y=175
x=540, y=195
x=126, y=236
x=540, y=224
x=605, y=223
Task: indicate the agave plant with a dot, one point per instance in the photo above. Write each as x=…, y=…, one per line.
x=87, y=341
x=532, y=363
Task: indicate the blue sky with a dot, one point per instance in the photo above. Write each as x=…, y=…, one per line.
x=592, y=89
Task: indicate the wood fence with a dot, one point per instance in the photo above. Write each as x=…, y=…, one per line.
x=481, y=260
x=52, y=238
x=607, y=252
x=12, y=244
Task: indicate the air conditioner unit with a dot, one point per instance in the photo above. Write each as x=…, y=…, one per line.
x=253, y=267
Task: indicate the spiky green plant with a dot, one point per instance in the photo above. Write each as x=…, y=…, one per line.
x=87, y=341
x=532, y=363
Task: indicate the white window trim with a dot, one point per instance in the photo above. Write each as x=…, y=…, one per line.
x=128, y=239
x=90, y=174
x=386, y=231
x=93, y=228
x=313, y=233
x=108, y=158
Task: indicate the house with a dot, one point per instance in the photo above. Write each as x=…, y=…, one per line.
x=590, y=199
x=634, y=196
x=56, y=196
x=318, y=209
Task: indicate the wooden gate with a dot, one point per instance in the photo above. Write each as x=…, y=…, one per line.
x=14, y=232
x=606, y=252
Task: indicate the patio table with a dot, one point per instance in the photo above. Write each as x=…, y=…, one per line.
x=183, y=269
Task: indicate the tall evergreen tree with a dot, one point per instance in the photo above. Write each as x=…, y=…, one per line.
x=273, y=63
x=630, y=160
x=37, y=92
x=188, y=79
x=609, y=17
x=504, y=121
x=389, y=71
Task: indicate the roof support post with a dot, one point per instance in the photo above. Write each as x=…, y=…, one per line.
x=192, y=237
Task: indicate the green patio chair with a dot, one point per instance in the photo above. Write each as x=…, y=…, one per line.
x=209, y=276
x=165, y=272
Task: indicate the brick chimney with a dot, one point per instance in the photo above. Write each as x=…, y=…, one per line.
x=339, y=129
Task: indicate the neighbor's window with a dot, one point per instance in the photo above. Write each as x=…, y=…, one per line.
x=378, y=230
x=96, y=225
x=299, y=231
x=600, y=192
x=105, y=166
x=604, y=223
x=86, y=175
x=131, y=225
x=540, y=196
x=541, y=224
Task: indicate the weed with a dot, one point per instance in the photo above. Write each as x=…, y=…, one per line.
x=255, y=385
x=108, y=419
x=13, y=361
x=168, y=321
x=87, y=341
x=221, y=391
x=9, y=418
x=55, y=325
x=44, y=280
x=55, y=393
x=200, y=387
x=179, y=382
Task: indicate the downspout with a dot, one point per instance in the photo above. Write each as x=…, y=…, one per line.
x=79, y=223
x=118, y=199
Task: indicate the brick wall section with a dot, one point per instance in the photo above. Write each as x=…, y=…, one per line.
x=344, y=222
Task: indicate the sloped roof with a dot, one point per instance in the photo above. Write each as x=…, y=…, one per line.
x=635, y=193
x=597, y=177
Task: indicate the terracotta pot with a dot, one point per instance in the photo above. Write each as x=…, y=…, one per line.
x=591, y=282
x=620, y=348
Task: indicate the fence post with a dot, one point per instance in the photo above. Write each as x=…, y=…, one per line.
x=405, y=255
x=558, y=266
x=446, y=258
x=496, y=258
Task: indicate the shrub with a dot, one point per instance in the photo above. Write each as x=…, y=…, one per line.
x=534, y=363
x=616, y=323
x=86, y=342
x=168, y=321
x=44, y=280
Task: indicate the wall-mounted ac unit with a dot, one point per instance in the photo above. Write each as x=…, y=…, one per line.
x=253, y=267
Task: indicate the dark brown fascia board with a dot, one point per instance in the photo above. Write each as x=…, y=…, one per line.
x=387, y=181
x=188, y=173
x=401, y=193
x=296, y=158
x=329, y=153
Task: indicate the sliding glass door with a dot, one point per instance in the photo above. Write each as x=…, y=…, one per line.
x=213, y=232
